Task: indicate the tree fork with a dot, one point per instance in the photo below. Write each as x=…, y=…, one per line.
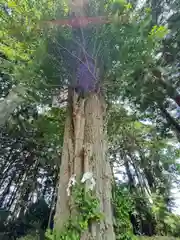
x=84, y=151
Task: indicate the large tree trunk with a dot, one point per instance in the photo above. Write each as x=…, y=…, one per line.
x=84, y=151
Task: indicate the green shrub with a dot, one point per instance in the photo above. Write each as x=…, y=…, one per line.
x=158, y=238
x=30, y=237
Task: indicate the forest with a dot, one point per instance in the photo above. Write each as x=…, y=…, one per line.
x=90, y=120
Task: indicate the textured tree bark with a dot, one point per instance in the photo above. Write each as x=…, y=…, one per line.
x=84, y=151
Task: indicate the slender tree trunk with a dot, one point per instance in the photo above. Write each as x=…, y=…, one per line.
x=129, y=174
x=41, y=234
x=9, y=166
x=156, y=11
x=10, y=103
x=172, y=122
x=84, y=151
x=7, y=189
x=171, y=91
x=17, y=181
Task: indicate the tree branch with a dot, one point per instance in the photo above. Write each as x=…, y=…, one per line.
x=10, y=103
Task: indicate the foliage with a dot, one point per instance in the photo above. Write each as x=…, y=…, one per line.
x=123, y=206
x=158, y=238
x=30, y=237
x=86, y=206
x=167, y=223
x=38, y=214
